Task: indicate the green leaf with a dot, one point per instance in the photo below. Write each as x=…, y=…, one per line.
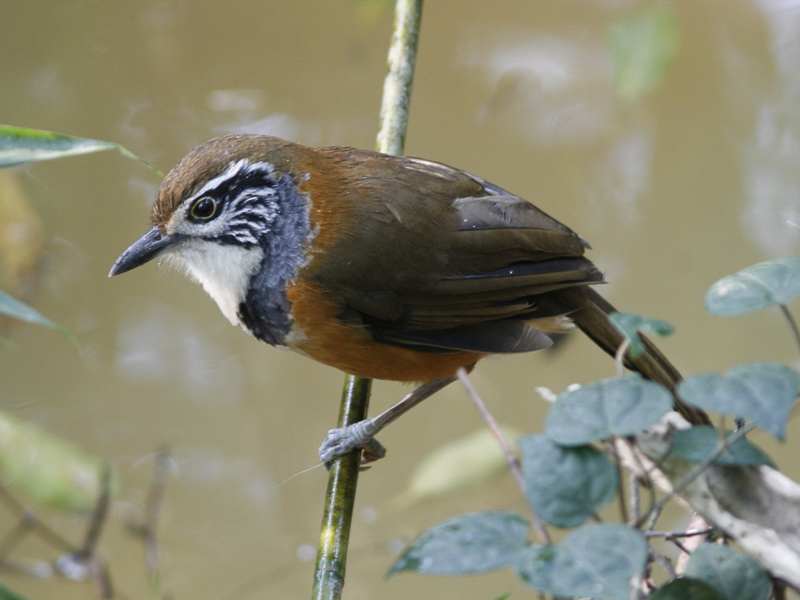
x=471, y=543
x=595, y=561
x=754, y=288
x=7, y=594
x=630, y=324
x=734, y=575
x=761, y=392
x=566, y=486
x=48, y=470
x=602, y=409
x=686, y=588
x=700, y=442
x=11, y=307
x=643, y=46
x=459, y=465
x=19, y=145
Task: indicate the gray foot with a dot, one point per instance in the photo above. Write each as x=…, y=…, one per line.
x=344, y=439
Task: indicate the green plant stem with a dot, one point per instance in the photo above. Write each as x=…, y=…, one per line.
x=792, y=322
x=340, y=498
x=397, y=85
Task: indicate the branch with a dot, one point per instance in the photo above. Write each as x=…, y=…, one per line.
x=757, y=507
x=340, y=497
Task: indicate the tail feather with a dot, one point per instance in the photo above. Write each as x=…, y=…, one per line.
x=590, y=314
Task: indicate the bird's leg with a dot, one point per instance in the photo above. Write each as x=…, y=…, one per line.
x=362, y=434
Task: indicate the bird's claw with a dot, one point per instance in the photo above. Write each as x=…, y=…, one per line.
x=342, y=440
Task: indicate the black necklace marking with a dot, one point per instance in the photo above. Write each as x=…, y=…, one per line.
x=265, y=309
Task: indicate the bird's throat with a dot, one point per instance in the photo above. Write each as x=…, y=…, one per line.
x=224, y=272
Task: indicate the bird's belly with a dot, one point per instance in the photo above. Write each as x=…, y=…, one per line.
x=318, y=333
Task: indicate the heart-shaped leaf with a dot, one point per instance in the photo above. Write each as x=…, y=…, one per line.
x=602, y=409
x=760, y=286
x=761, y=392
x=597, y=561
x=686, y=588
x=734, y=575
x=565, y=486
x=630, y=324
x=698, y=443
x=471, y=543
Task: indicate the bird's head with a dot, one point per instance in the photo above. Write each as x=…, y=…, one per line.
x=219, y=213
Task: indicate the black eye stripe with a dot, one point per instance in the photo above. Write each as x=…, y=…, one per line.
x=245, y=189
x=240, y=183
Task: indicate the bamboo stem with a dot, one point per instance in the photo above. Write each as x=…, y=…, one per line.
x=340, y=498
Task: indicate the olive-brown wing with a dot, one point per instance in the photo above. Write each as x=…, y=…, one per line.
x=442, y=261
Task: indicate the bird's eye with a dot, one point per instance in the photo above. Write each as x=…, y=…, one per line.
x=204, y=209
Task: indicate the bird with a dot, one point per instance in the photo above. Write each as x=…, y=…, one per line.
x=385, y=267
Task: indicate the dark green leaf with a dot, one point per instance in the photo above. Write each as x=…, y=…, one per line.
x=760, y=286
x=20, y=145
x=643, y=45
x=565, y=486
x=686, y=589
x=734, y=575
x=11, y=307
x=630, y=324
x=471, y=543
x=698, y=443
x=761, y=392
x=602, y=409
x=7, y=594
x=596, y=561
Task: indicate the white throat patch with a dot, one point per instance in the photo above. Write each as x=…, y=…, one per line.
x=224, y=271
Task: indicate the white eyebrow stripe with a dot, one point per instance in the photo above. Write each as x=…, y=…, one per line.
x=233, y=170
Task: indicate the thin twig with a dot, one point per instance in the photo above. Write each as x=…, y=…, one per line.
x=792, y=322
x=508, y=453
x=82, y=563
x=33, y=522
x=155, y=496
x=494, y=428
x=98, y=516
x=664, y=562
x=647, y=482
x=779, y=590
x=619, y=357
x=623, y=507
x=635, y=494
x=670, y=535
x=14, y=537
x=695, y=472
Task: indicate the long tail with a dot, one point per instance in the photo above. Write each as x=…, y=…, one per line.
x=591, y=316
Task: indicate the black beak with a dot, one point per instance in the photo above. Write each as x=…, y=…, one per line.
x=152, y=244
